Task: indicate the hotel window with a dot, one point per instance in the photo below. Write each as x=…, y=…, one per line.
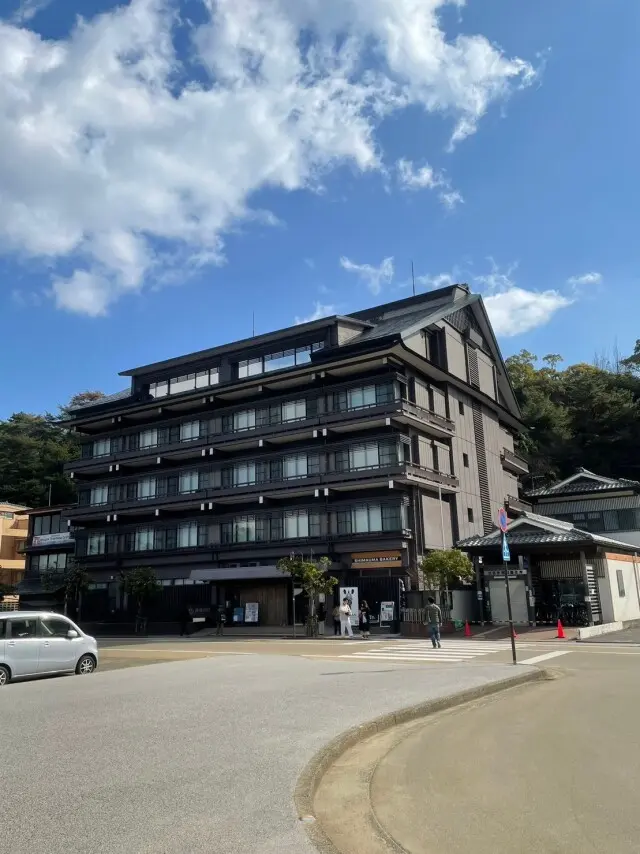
x=244, y=474
x=244, y=420
x=188, y=535
x=244, y=529
x=160, y=389
x=360, y=397
x=294, y=410
x=189, y=430
x=296, y=525
x=369, y=518
x=101, y=447
x=147, y=487
x=189, y=482
x=99, y=495
x=364, y=456
x=144, y=540
x=278, y=361
x=48, y=525
x=149, y=438
x=249, y=368
x=96, y=544
x=295, y=466
x=366, y=518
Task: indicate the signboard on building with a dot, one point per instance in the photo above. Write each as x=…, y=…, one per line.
x=251, y=610
x=387, y=612
x=376, y=560
x=40, y=540
x=499, y=572
x=351, y=595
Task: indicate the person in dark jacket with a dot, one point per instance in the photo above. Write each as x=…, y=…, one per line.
x=185, y=619
x=365, y=620
x=220, y=621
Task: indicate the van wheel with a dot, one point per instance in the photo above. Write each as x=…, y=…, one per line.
x=5, y=675
x=87, y=664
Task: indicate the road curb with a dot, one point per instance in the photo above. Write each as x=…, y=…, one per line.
x=316, y=768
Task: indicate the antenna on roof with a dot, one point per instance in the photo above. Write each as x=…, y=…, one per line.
x=413, y=279
x=253, y=324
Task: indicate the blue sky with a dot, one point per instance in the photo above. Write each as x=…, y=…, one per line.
x=172, y=168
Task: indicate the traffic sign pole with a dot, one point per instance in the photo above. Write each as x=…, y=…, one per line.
x=503, y=524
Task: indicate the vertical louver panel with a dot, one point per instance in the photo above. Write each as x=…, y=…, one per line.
x=474, y=373
x=483, y=477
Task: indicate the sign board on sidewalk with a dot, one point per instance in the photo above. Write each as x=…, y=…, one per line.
x=503, y=520
x=387, y=612
x=251, y=612
x=506, y=554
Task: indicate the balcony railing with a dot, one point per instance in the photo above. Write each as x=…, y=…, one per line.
x=513, y=462
x=398, y=407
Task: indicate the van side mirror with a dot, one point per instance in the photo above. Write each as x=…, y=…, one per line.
x=72, y=633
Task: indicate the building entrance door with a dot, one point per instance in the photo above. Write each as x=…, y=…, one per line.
x=498, y=599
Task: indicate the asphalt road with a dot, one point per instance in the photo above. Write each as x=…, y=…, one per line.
x=189, y=756
x=551, y=767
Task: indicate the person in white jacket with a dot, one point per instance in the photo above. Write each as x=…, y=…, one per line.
x=345, y=619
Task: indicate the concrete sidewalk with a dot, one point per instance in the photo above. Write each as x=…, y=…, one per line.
x=188, y=757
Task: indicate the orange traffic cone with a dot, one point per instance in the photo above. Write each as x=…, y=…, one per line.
x=561, y=635
x=467, y=629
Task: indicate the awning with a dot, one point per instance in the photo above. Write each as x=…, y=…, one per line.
x=36, y=588
x=237, y=573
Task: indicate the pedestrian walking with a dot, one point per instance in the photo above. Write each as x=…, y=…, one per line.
x=364, y=620
x=345, y=619
x=220, y=621
x=433, y=622
x=336, y=620
x=185, y=619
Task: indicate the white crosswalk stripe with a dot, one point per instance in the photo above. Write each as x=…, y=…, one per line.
x=452, y=651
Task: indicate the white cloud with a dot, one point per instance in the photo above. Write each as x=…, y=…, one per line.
x=125, y=163
x=375, y=277
x=28, y=9
x=592, y=278
x=441, y=280
x=318, y=313
x=516, y=310
x=426, y=178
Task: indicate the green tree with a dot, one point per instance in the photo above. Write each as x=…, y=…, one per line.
x=313, y=578
x=74, y=580
x=142, y=584
x=33, y=451
x=443, y=567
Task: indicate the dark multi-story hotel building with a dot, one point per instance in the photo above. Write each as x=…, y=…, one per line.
x=369, y=438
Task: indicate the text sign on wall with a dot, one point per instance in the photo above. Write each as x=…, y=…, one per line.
x=376, y=560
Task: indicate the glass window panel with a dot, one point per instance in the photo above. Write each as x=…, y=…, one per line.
x=160, y=389
x=101, y=447
x=375, y=517
x=294, y=410
x=244, y=529
x=244, y=420
x=296, y=525
x=147, y=487
x=187, y=382
x=96, y=544
x=144, y=540
x=99, y=495
x=188, y=535
x=214, y=376
x=249, y=367
x=303, y=355
x=189, y=481
x=244, y=474
x=278, y=361
x=295, y=466
x=148, y=438
x=360, y=519
x=189, y=430
x=202, y=379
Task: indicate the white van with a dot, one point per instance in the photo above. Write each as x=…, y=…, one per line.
x=40, y=643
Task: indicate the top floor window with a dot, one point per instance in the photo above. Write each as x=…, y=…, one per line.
x=278, y=361
x=186, y=382
x=48, y=525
